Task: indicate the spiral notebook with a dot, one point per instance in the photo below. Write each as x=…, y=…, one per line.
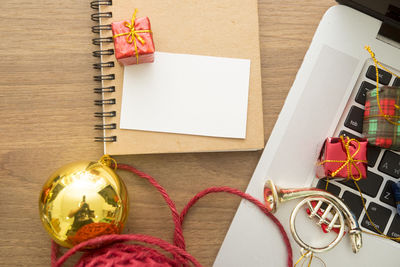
x=223, y=28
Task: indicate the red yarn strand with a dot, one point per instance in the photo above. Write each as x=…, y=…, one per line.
x=249, y=198
x=178, y=234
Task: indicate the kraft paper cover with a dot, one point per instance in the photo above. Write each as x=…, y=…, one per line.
x=223, y=28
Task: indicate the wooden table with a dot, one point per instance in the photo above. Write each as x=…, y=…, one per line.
x=47, y=120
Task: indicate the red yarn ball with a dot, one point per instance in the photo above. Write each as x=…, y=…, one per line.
x=112, y=251
x=122, y=255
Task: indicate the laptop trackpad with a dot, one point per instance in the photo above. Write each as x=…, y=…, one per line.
x=314, y=118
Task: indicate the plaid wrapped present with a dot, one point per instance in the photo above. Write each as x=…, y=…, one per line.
x=382, y=120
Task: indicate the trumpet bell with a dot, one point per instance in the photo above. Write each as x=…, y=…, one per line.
x=271, y=196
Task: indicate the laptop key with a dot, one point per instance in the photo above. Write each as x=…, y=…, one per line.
x=361, y=95
x=331, y=187
x=347, y=134
x=369, y=186
x=394, y=230
x=390, y=164
x=396, y=82
x=379, y=216
x=355, y=119
x=372, y=155
x=353, y=202
x=384, y=76
x=387, y=196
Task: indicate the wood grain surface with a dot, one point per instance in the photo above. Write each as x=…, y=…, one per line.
x=46, y=111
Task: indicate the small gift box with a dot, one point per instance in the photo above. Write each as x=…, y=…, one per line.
x=345, y=158
x=133, y=41
x=381, y=119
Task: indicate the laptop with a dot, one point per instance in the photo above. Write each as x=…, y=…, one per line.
x=327, y=99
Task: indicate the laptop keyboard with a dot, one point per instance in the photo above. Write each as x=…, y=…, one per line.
x=383, y=165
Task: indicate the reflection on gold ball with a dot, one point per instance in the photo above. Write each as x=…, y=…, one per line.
x=83, y=200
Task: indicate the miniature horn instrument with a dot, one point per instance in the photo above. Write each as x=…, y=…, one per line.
x=335, y=215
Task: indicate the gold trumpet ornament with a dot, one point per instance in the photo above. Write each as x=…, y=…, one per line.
x=83, y=200
x=334, y=215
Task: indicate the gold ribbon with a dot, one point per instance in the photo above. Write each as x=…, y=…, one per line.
x=304, y=255
x=381, y=113
x=133, y=34
x=310, y=255
x=350, y=161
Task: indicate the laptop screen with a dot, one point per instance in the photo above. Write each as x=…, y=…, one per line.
x=388, y=11
x=385, y=10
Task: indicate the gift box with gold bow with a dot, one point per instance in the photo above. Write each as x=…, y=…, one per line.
x=382, y=119
x=343, y=158
x=133, y=41
x=381, y=124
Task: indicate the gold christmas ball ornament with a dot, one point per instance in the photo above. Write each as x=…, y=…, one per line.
x=83, y=200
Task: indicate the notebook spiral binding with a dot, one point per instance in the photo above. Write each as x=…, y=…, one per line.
x=96, y=16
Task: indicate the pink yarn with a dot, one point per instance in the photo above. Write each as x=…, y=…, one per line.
x=109, y=248
x=125, y=254
x=113, y=252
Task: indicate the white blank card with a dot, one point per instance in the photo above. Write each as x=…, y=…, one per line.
x=187, y=94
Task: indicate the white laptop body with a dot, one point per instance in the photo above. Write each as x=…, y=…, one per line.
x=312, y=111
